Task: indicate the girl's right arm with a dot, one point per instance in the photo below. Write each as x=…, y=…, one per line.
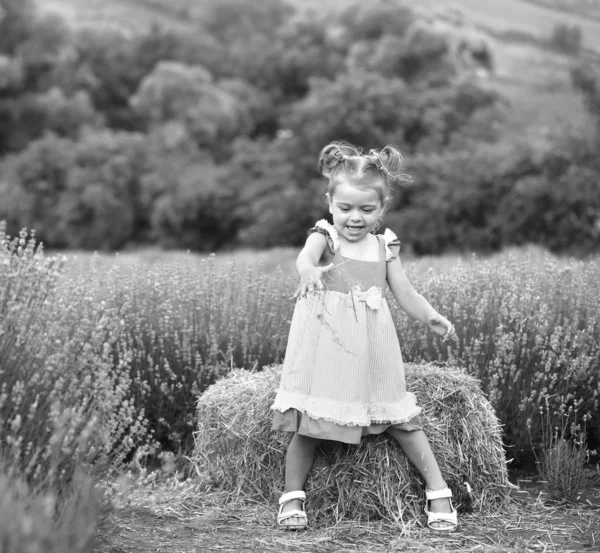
x=307, y=264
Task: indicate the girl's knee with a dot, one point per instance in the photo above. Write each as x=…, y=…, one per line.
x=397, y=431
x=404, y=434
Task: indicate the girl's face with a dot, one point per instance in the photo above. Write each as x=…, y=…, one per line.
x=355, y=210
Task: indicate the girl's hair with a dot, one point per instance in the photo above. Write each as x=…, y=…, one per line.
x=378, y=169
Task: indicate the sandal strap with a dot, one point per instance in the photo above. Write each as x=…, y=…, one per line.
x=438, y=494
x=449, y=518
x=290, y=514
x=446, y=517
x=287, y=497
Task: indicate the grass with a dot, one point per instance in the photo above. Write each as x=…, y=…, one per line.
x=563, y=452
x=563, y=468
x=169, y=515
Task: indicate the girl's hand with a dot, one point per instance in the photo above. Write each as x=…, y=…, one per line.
x=442, y=326
x=310, y=278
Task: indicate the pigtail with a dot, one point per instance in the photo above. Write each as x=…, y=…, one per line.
x=389, y=161
x=333, y=154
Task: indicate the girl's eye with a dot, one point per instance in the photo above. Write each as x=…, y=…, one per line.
x=344, y=209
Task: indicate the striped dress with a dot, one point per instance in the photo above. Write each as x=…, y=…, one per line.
x=343, y=375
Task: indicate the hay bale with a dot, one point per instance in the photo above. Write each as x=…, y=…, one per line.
x=236, y=450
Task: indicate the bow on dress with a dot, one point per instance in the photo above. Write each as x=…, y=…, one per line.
x=372, y=296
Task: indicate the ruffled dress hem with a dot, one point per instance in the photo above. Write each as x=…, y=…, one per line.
x=295, y=421
x=348, y=414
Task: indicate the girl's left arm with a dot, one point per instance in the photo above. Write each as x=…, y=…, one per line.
x=414, y=303
x=408, y=298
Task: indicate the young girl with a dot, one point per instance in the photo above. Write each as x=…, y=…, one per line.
x=343, y=376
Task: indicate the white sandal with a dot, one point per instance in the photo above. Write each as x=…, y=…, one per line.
x=286, y=498
x=441, y=522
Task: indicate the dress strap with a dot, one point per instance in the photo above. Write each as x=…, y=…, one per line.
x=327, y=229
x=382, y=253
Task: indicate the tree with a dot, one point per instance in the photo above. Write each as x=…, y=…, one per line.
x=308, y=48
x=276, y=197
x=72, y=193
x=11, y=76
x=363, y=108
x=195, y=212
x=42, y=51
x=100, y=65
x=171, y=91
x=586, y=80
x=424, y=55
x=211, y=114
x=37, y=178
x=247, y=31
x=67, y=116
x=567, y=38
x=104, y=187
x=370, y=21
x=29, y=49
x=419, y=56
x=560, y=212
x=16, y=23
x=446, y=114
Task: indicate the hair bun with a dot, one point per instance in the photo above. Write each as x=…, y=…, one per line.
x=333, y=154
x=389, y=161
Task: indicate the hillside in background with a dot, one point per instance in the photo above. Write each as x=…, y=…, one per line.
x=585, y=8
x=531, y=76
x=127, y=15
x=534, y=16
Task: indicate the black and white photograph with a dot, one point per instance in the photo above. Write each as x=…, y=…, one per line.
x=312, y=276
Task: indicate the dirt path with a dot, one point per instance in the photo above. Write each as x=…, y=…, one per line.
x=176, y=518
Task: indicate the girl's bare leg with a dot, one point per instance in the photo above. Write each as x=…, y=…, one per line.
x=299, y=460
x=416, y=447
